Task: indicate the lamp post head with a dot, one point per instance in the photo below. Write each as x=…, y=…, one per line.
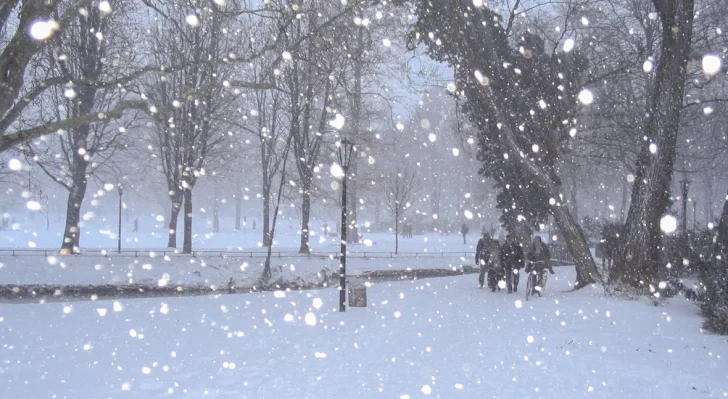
x=346, y=148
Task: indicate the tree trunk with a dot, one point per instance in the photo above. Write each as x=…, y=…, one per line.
x=72, y=232
x=305, y=217
x=721, y=238
x=623, y=208
x=396, y=233
x=638, y=256
x=174, y=214
x=187, y=240
x=238, y=205
x=586, y=271
x=267, y=241
x=216, y=211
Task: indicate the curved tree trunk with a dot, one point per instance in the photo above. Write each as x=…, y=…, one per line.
x=637, y=260
x=586, y=271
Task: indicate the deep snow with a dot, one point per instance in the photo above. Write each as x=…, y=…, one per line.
x=440, y=337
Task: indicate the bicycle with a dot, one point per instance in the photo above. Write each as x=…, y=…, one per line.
x=531, y=283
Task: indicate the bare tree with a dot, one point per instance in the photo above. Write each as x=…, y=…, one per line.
x=308, y=80
x=637, y=261
x=191, y=126
x=399, y=190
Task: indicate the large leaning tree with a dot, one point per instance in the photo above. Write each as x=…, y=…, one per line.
x=521, y=97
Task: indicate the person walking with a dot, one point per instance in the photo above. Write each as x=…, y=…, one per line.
x=464, y=231
x=511, y=258
x=485, y=253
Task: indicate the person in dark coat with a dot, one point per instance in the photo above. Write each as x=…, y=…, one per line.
x=464, y=231
x=511, y=257
x=485, y=253
x=539, y=259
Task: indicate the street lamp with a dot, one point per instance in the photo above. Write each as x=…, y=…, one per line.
x=685, y=186
x=120, y=192
x=346, y=148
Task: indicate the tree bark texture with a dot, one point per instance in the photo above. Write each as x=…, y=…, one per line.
x=72, y=232
x=305, y=221
x=638, y=258
x=187, y=241
x=173, y=216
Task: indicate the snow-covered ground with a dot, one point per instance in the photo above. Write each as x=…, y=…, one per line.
x=224, y=256
x=438, y=337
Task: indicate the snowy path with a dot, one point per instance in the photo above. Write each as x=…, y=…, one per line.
x=428, y=338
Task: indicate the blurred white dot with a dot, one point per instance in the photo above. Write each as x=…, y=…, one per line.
x=15, y=164
x=586, y=97
x=668, y=224
x=712, y=64
x=336, y=170
x=400, y=126
x=104, y=7
x=192, y=20
x=317, y=303
x=338, y=122
x=310, y=319
x=426, y=390
x=653, y=148
x=288, y=317
x=386, y=42
x=42, y=30
x=33, y=205
x=530, y=339
x=648, y=66
x=478, y=4
x=146, y=370
x=519, y=304
x=432, y=137
x=568, y=45
x=468, y=214
x=708, y=110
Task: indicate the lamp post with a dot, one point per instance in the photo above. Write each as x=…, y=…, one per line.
x=695, y=204
x=120, y=192
x=685, y=186
x=346, y=147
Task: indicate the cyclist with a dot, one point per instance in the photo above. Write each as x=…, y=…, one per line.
x=539, y=258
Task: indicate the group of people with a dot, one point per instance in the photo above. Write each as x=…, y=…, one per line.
x=504, y=258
